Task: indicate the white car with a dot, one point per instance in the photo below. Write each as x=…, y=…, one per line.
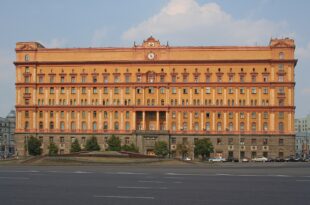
x=218, y=159
x=260, y=159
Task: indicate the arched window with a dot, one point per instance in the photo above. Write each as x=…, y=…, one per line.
x=72, y=125
x=116, y=126
x=105, y=125
x=281, y=126
x=84, y=127
x=219, y=126
x=94, y=125
x=231, y=127
x=196, y=126
x=62, y=125
x=40, y=125
x=208, y=126
x=51, y=125
x=27, y=58
x=105, y=114
x=265, y=126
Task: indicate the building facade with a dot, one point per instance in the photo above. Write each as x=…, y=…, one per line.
x=240, y=97
x=302, y=127
x=7, y=129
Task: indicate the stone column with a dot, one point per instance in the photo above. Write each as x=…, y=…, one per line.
x=157, y=120
x=143, y=120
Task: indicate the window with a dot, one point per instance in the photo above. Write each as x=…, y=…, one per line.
x=231, y=127
x=281, y=55
x=52, y=79
x=265, y=90
x=116, y=126
x=116, y=115
x=73, y=79
x=196, y=91
x=173, y=90
x=242, y=91
x=230, y=141
x=253, y=126
x=242, y=126
x=265, y=126
x=208, y=126
x=62, y=125
x=105, y=90
x=105, y=79
x=208, y=90
x=185, y=91
x=230, y=90
x=95, y=91
x=219, y=126
x=52, y=91
x=27, y=58
x=207, y=115
x=162, y=90
x=219, y=115
x=73, y=90
x=139, y=78
x=83, y=79
x=127, y=78
x=280, y=78
x=84, y=127
x=253, y=90
x=151, y=90
x=105, y=125
x=127, y=126
x=116, y=90
x=219, y=141
x=219, y=90
x=281, y=141
x=253, y=115
x=116, y=79
x=51, y=125
x=281, y=115
x=281, y=126
x=94, y=126
x=265, y=115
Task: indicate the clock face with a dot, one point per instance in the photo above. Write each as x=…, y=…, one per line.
x=151, y=56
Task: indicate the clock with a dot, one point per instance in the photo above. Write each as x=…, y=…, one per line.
x=151, y=56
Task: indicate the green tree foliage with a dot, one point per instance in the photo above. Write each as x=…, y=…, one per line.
x=52, y=149
x=92, y=144
x=34, y=146
x=114, y=143
x=161, y=149
x=130, y=148
x=75, y=146
x=183, y=149
x=203, y=147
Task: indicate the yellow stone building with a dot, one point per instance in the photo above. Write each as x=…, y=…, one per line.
x=240, y=97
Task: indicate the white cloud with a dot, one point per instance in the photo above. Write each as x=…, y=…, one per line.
x=99, y=37
x=187, y=22
x=56, y=43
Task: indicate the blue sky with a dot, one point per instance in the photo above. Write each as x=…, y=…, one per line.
x=94, y=23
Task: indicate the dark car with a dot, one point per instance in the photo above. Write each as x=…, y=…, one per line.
x=279, y=159
x=232, y=159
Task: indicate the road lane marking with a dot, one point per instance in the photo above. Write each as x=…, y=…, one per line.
x=140, y=187
x=81, y=172
x=130, y=173
x=303, y=180
x=23, y=178
x=157, y=182
x=183, y=174
x=223, y=174
x=126, y=197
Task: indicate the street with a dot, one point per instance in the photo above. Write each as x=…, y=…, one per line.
x=287, y=183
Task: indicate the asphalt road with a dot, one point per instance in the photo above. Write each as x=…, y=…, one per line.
x=227, y=184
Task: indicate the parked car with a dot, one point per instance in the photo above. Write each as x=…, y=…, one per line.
x=289, y=159
x=187, y=159
x=260, y=159
x=245, y=159
x=232, y=159
x=217, y=159
x=279, y=159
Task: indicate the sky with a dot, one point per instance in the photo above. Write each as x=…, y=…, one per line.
x=100, y=23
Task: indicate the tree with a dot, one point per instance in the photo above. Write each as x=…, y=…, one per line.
x=203, y=147
x=114, y=143
x=34, y=146
x=75, y=146
x=130, y=148
x=183, y=149
x=92, y=144
x=161, y=149
x=52, y=149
